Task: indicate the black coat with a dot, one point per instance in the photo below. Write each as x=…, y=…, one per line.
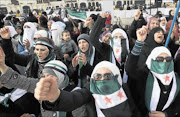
x=27, y=103
x=68, y=101
x=177, y=64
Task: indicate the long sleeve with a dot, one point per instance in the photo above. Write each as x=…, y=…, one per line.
x=18, y=59
x=69, y=101
x=131, y=63
x=96, y=32
x=12, y=79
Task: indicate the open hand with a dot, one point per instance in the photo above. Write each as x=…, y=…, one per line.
x=75, y=61
x=26, y=43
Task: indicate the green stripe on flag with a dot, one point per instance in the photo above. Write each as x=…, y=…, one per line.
x=77, y=15
x=148, y=91
x=178, y=85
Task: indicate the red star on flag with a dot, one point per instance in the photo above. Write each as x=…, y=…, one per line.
x=166, y=78
x=120, y=95
x=117, y=50
x=108, y=100
x=118, y=60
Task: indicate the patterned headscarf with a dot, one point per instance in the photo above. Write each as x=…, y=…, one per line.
x=58, y=69
x=149, y=22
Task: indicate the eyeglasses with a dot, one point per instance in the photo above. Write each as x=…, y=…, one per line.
x=161, y=59
x=107, y=76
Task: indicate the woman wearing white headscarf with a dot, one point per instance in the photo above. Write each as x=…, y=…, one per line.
x=163, y=23
x=104, y=96
x=159, y=85
x=120, y=45
x=27, y=41
x=57, y=29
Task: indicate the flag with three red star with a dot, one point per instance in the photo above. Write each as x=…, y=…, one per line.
x=111, y=100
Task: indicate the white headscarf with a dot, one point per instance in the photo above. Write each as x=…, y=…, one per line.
x=29, y=33
x=43, y=33
x=163, y=27
x=57, y=30
x=112, y=67
x=58, y=69
x=156, y=52
x=117, y=45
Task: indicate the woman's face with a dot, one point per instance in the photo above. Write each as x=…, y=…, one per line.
x=163, y=55
x=41, y=51
x=26, y=26
x=83, y=45
x=154, y=24
x=36, y=36
x=102, y=71
x=118, y=35
x=18, y=31
x=159, y=37
x=106, y=38
x=172, y=12
x=46, y=75
x=49, y=25
x=163, y=22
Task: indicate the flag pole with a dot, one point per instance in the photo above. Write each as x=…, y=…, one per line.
x=172, y=25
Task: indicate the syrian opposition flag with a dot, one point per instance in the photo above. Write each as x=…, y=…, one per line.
x=77, y=15
x=152, y=94
x=109, y=101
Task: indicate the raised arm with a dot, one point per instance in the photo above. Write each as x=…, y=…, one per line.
x=11, y=79
x=8, y=49
x=59, y=100
x=131, y=63
x=96, y=32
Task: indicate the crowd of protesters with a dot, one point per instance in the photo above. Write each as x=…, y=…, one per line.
x=63, y=67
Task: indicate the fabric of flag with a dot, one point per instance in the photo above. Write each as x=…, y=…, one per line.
x=108, y=101
x=77, y=15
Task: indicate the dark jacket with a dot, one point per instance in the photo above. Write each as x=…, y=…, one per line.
x=70, y=101
x=141, y=77
x=27, y=103
x=133, y=28
x=103, y=50
x=177, y=64
x=24, y=60
x=31, y=65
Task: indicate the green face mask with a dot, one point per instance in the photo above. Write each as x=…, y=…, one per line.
x=104, y=87
x=162, y=67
